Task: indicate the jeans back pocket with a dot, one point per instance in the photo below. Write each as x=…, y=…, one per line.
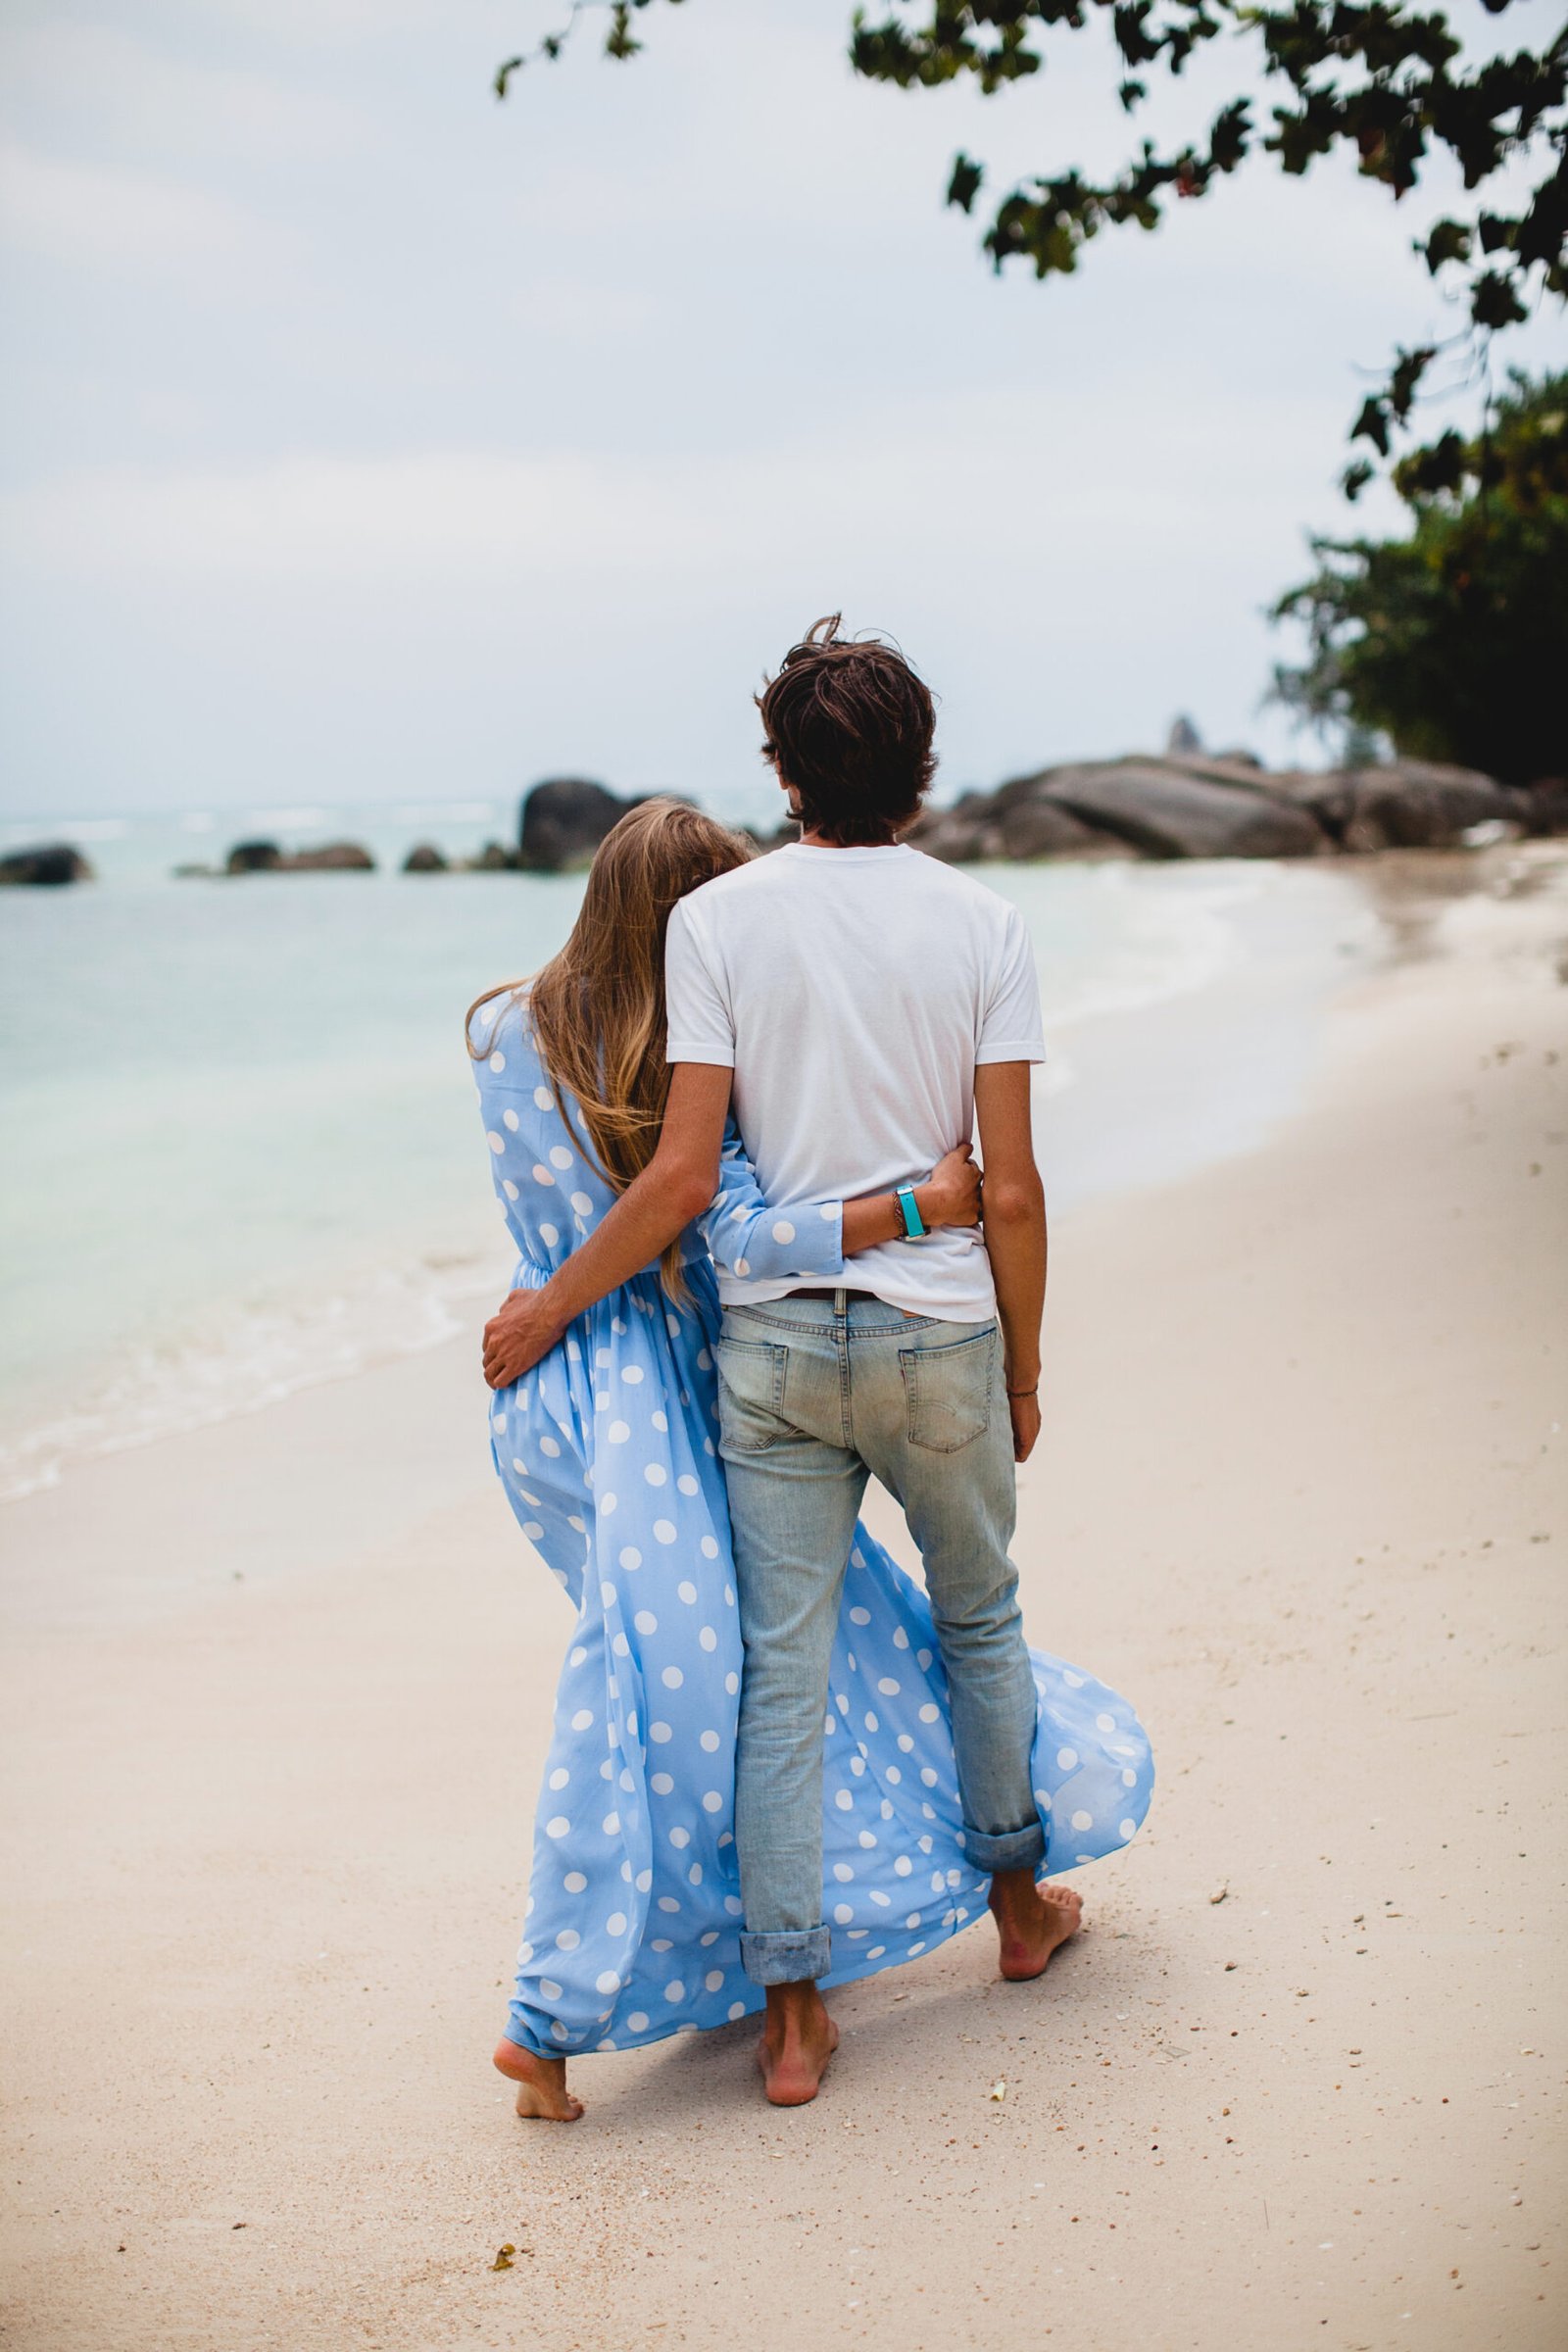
x=751, y=1393
x=948, y=1391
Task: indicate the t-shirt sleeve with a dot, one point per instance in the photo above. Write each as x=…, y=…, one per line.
x=1011, y=1029
x=701, y=1025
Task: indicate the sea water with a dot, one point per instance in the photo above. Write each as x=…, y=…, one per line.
x=241, y=1151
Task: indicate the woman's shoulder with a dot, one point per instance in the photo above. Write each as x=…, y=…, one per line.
x=500, y=1029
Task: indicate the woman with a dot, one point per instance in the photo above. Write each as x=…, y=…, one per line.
x=607, y=1454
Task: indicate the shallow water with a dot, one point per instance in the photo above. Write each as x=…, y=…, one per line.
x=242, y=1152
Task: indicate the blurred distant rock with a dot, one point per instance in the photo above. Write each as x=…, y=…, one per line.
x=1197, y=804
x=1166, y=810
x=1016, y=821
x=563, y=820
x=494, y=859
x=330, y=857
x=1410, y=805
x=47, y=867
x=1547, y=804
x=424, y=858
x=1183, y=737
x=252, y=857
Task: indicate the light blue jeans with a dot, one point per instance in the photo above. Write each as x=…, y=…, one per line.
x=815, y=1396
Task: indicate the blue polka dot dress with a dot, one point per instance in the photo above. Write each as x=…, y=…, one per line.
x=607, y=1454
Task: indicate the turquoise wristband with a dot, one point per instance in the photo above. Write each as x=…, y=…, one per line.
x=915, y=1226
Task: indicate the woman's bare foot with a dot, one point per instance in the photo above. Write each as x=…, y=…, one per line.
x=1032, y=1921
x=542, y=2093
x=798, y=2039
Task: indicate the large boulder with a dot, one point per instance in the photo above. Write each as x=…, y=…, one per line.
x=47, y=867
x=1410, y=805
x=424, y=858
x=563, y=820
x=1015, y=821
x=1166, y=812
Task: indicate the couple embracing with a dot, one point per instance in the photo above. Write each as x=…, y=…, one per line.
x=730, y=1126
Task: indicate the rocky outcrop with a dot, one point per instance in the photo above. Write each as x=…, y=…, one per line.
x=1165, y=810
x=424, y=858
x=330, y=857
x=563, y=820
x=1409, y=805
x=1546, y=805
x=47, y=867
x=252, y=857
x=1016, y=821
x=1197, y=804
x=494, y=859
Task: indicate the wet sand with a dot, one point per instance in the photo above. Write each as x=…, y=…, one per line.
x=277, y=1693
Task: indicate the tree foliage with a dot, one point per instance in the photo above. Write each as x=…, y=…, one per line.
x=1383, y=80
x=1454, y=640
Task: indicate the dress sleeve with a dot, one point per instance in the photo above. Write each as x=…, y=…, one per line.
x=768, y=1240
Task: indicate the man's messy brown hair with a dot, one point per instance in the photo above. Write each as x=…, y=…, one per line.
x=849, y=730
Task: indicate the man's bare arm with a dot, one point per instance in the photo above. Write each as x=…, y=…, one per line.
x=1014, y=1214
x=676, y=1186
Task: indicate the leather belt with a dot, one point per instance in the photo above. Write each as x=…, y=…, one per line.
x=832, y=1295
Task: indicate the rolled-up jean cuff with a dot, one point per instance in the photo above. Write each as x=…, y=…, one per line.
x=1012, y=1849
x=786, y=1956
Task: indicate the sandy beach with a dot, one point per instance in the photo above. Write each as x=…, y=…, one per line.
x=275, y=1694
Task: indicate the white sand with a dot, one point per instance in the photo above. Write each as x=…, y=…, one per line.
x=1300, y=1497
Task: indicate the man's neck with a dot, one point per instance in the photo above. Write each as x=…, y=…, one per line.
x=822, y=841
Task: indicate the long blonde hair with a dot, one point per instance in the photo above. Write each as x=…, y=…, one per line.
x=598, y=1007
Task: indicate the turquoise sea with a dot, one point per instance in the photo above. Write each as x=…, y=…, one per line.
x=241, y=1152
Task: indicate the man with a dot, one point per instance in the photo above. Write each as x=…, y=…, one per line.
x=867, y=1007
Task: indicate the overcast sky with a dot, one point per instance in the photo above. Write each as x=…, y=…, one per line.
x=368, y=439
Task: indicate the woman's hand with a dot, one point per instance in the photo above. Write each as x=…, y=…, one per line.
x=950, y=1195
x=522, y=1328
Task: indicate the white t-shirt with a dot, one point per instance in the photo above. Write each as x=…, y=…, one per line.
x=853, y=992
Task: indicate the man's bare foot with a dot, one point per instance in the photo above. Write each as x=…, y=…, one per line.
x=1032, y=1921
x=542, y=2093
x=798, y=2039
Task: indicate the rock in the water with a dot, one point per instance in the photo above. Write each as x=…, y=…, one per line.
x=1166, y=812
x=332, y=858
x=46, y=867
x=494, y=859
x=424, y=858
x=563, y=820
x=254, y=858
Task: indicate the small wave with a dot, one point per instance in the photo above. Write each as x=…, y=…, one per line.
x=266, y=1355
